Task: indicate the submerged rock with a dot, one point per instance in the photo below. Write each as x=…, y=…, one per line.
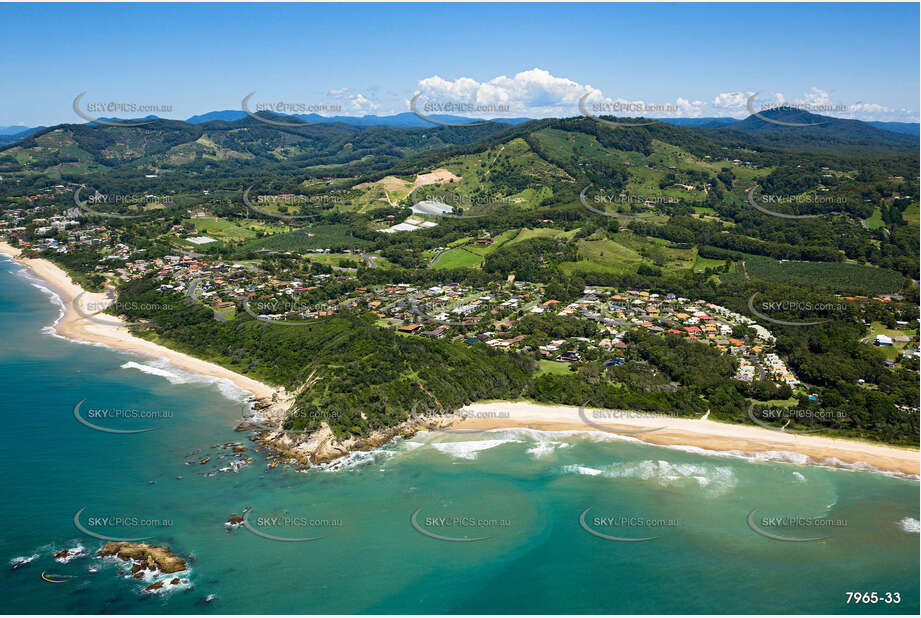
x=66, y=555
x=21, y=561
x=154, y=586
x=233, y=522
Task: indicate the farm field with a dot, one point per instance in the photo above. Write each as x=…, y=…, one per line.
x=231, y=230
x=839, y=276
x=322, y=237
x=471, y=255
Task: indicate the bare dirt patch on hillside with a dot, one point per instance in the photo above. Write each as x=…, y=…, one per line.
x=436, y=176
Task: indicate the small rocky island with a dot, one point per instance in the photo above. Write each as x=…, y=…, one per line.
x=144, y=557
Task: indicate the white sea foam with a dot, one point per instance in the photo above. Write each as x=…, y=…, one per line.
x=358, y=459
x=543, y=443
x=669, y=474
x=174, y=375
x=799, y=477
x=52, y=295
x=715, y=479
x=72, y=553
x=583, y=470
x=910, y=524
x=469, y=449
x=765, y=456
x=546, y=448
x=158, y=367
x=21, y=561
x=169, y=587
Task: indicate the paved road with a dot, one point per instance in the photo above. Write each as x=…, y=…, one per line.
x=369, y=260
x=193, y=286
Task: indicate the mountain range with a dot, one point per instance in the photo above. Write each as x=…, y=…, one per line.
x=233, y=142
x=841, y=127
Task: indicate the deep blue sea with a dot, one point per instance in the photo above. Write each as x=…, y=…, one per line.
x=521, y=493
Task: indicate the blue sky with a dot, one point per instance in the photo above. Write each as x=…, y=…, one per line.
x=526, y=59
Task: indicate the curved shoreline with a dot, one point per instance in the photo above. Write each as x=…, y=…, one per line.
x=673, y=432
x=747, y=440
x=75, y=327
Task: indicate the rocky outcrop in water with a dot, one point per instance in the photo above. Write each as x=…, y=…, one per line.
x=144, y=557
x=303, y=449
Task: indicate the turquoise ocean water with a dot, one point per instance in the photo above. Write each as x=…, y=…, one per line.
x=522, y=490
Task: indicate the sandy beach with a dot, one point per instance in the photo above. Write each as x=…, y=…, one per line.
x=73, y=325
x=666, y=430
x=705, y=434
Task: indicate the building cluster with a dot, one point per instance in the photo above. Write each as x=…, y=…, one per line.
x=455, y=311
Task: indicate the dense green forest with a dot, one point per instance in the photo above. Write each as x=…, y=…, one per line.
x=858, y=184
x=361, y=377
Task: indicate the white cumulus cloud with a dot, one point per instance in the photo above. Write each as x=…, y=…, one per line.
x=361, y=103
x=537, y=93
x=731, y=100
